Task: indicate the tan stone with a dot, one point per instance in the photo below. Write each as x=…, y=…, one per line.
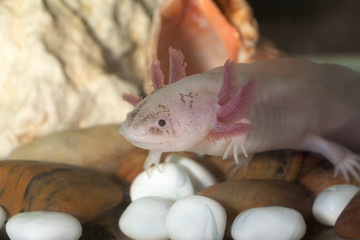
x=99, y=148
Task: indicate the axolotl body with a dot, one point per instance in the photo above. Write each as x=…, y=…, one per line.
x=246, y=108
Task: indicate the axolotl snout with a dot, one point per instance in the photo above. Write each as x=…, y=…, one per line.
x=243, y=109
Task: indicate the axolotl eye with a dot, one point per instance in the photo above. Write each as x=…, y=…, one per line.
x=161, y=122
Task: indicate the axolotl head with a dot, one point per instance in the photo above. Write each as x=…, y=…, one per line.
x=173, y=118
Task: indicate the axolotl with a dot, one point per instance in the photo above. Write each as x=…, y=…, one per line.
x=246, y=108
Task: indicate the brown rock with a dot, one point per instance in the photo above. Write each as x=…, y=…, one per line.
x=318, y=180
x=237, y=196
x=282, y=165
x=99, y=148
x=348, y=223
x=42, y=186
x=131, y=165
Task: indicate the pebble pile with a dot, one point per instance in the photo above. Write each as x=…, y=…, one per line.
x=165, y=205
x=179, y=199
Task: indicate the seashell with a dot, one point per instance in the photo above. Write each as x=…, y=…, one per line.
x=98, y=148
x=196, y=217
x=207, y=33
x=42, y=186
x=200, y=177
x=167, y=180
x=2, y=217
x=348, y=223
x=329, y=204
x=145, y=218
x=269, y=223
x=239, y=195
x=43, y=226
x=252, y=47
x=317, y=180
x=282, y=165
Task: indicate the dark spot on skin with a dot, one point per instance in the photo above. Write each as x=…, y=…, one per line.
x=190, y=96
x=182, y=98
x=156, y=131
x=146, y=118
x=131, y=115
x=162, y=106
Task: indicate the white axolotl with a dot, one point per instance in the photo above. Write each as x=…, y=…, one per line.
x=242, y=109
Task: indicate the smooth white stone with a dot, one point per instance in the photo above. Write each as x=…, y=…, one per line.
x=43, y=226
x=200, y=177
x=196, y=217
x=329, y=204
x=145, y=218
x=268, y=223
x=2, y=217
x=168, y=181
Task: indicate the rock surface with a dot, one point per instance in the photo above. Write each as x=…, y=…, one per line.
x=99, y=148
x=196, y=217
x=132, y=164
x=42, y=186
x=269, y=223
x=167, y=180
x=282, y=165
x=348, y=223
x=239, y=195
x=145, y=218
x=319, y=179
x=43, y=226
x=329, y=204
x=65, y=64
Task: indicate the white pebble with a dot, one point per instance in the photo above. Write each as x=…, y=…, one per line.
x=196, y=217
x=200, y=177
x=43, y=226
x=268, y=223
x=169, y=181
x=2, y=217
x=145, y=218
x=329, y=204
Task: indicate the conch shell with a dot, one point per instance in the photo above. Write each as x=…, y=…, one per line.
x=207, y=33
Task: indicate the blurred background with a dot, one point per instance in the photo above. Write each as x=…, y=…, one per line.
x=323, y=30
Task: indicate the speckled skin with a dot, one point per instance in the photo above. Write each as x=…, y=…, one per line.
x=295, y=104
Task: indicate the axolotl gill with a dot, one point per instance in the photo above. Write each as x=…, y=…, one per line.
x=246, y=108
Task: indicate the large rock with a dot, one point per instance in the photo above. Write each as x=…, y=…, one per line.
x=27, y=186
x=99, y=148
x=239, y=195
x=65, y=64
x=348, y=223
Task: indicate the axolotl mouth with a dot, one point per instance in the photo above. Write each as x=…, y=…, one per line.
x=124, y=130
x=136, y=139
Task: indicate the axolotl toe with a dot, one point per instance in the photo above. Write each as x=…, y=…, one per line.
x=242, y=109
